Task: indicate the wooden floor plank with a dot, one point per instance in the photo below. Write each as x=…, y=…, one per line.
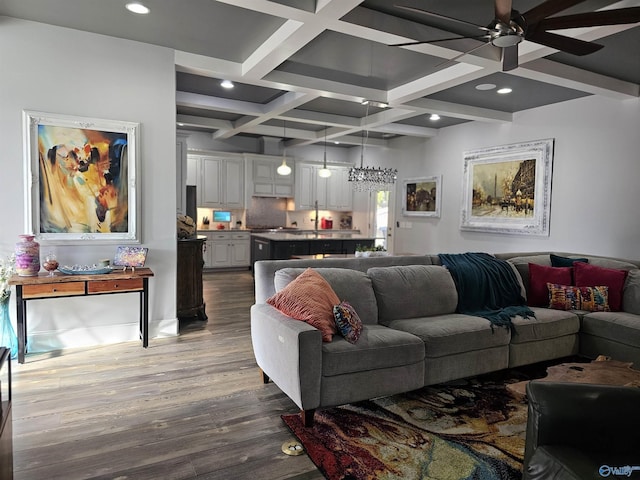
x=188, y=407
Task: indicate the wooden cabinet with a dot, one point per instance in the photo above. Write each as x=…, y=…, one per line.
x=220, y=180
x=190, y=303
x=227, y=249
x=333, y=193
x=181, y=173
x=263, y=179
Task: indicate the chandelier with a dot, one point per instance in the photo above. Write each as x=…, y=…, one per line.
x=371, y=179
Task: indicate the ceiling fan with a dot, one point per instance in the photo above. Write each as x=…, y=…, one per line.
x=511, y=27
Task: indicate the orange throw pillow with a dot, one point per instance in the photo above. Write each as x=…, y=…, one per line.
x=309, y=298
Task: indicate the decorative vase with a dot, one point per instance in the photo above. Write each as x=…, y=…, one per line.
x=27, y=256
x=7, y=334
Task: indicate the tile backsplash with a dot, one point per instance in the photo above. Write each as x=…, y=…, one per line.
x=267, y=211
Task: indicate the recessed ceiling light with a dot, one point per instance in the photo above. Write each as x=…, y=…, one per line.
x=226, y=84
x=180, y=124
x=485, y=86
x=336, y=142
x=505, y=90
x=137, y=7
x=434, y=117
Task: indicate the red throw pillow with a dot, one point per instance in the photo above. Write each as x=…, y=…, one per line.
x=539, y=276
x=309, y=298
x=587, y=275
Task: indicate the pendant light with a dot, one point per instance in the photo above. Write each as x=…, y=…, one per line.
x=324, y=172
x=284, y=169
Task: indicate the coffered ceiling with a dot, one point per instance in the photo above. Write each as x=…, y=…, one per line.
x=307, y=65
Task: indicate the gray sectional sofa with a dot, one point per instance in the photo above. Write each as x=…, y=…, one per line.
x=412, y=335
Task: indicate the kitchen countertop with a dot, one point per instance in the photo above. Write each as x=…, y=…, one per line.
x=321, y=235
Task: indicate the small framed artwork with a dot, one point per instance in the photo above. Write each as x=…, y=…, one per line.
x=134, y=257
x=507, y=189
x=421, y=196
x=81, y=176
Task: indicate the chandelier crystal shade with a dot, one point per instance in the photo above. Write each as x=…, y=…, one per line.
x=371, y=179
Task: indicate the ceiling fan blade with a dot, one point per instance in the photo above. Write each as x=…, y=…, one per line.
x=548, y=8
x=503, y=11
x=563, y=43
x=441, y=17
x=407, y=44
x=509, y=58
x=592, y=19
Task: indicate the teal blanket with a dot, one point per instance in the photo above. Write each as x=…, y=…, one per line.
x=487, y=287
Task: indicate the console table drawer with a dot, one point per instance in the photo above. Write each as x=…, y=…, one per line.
x=112, y=286
x=53, y=290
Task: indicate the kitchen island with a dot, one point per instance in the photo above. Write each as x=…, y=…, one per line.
x=282, y=246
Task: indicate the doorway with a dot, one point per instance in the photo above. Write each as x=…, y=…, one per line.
x=381, y=208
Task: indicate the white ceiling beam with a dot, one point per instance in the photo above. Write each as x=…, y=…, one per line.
x=202, y=122
x=556, y=73
x=206, y=102
x=457, y=110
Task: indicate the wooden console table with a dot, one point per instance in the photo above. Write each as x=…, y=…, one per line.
x=44, y=286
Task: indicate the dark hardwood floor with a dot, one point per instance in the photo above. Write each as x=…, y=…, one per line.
x=191, y=406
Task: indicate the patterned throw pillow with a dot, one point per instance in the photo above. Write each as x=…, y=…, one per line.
x=590, y=299
x=347, y=321
x=309, y=298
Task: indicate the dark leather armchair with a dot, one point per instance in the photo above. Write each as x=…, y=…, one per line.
x=582, y=432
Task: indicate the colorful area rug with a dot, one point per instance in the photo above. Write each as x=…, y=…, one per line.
x=471, y=429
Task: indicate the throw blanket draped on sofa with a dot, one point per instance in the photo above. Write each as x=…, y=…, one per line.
x=487, y=287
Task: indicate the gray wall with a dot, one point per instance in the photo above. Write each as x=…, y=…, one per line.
x=63, y=71
x=595, y=188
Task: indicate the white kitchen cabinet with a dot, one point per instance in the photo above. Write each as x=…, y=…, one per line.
x=339, y=190
x=220, y=180
x=264, y=180
x=226, y=249
x=333, y=193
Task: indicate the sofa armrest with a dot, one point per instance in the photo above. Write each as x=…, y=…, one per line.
x=289, y=352
x=584, y=417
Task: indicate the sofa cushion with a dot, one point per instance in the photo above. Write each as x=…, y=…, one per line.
x=453, y=333
x=378, y=347
x=621, y=327
x=568, y=297
x=631, y=294
x=586, y=275
x=413, y=291
x=547, y=324
x=539, y=277
x=350, y=285
x=348, y=322
x=558, y=261
x=522, y=265
x=309, y=298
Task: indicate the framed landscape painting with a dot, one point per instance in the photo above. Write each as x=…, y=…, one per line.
x=421, y=196
x=507, y=189
x=81, y=178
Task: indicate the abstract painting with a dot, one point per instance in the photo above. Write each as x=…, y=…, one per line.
x=82, y=176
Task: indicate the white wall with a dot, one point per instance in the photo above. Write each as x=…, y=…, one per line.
x=58, y=70
x=595, y=190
